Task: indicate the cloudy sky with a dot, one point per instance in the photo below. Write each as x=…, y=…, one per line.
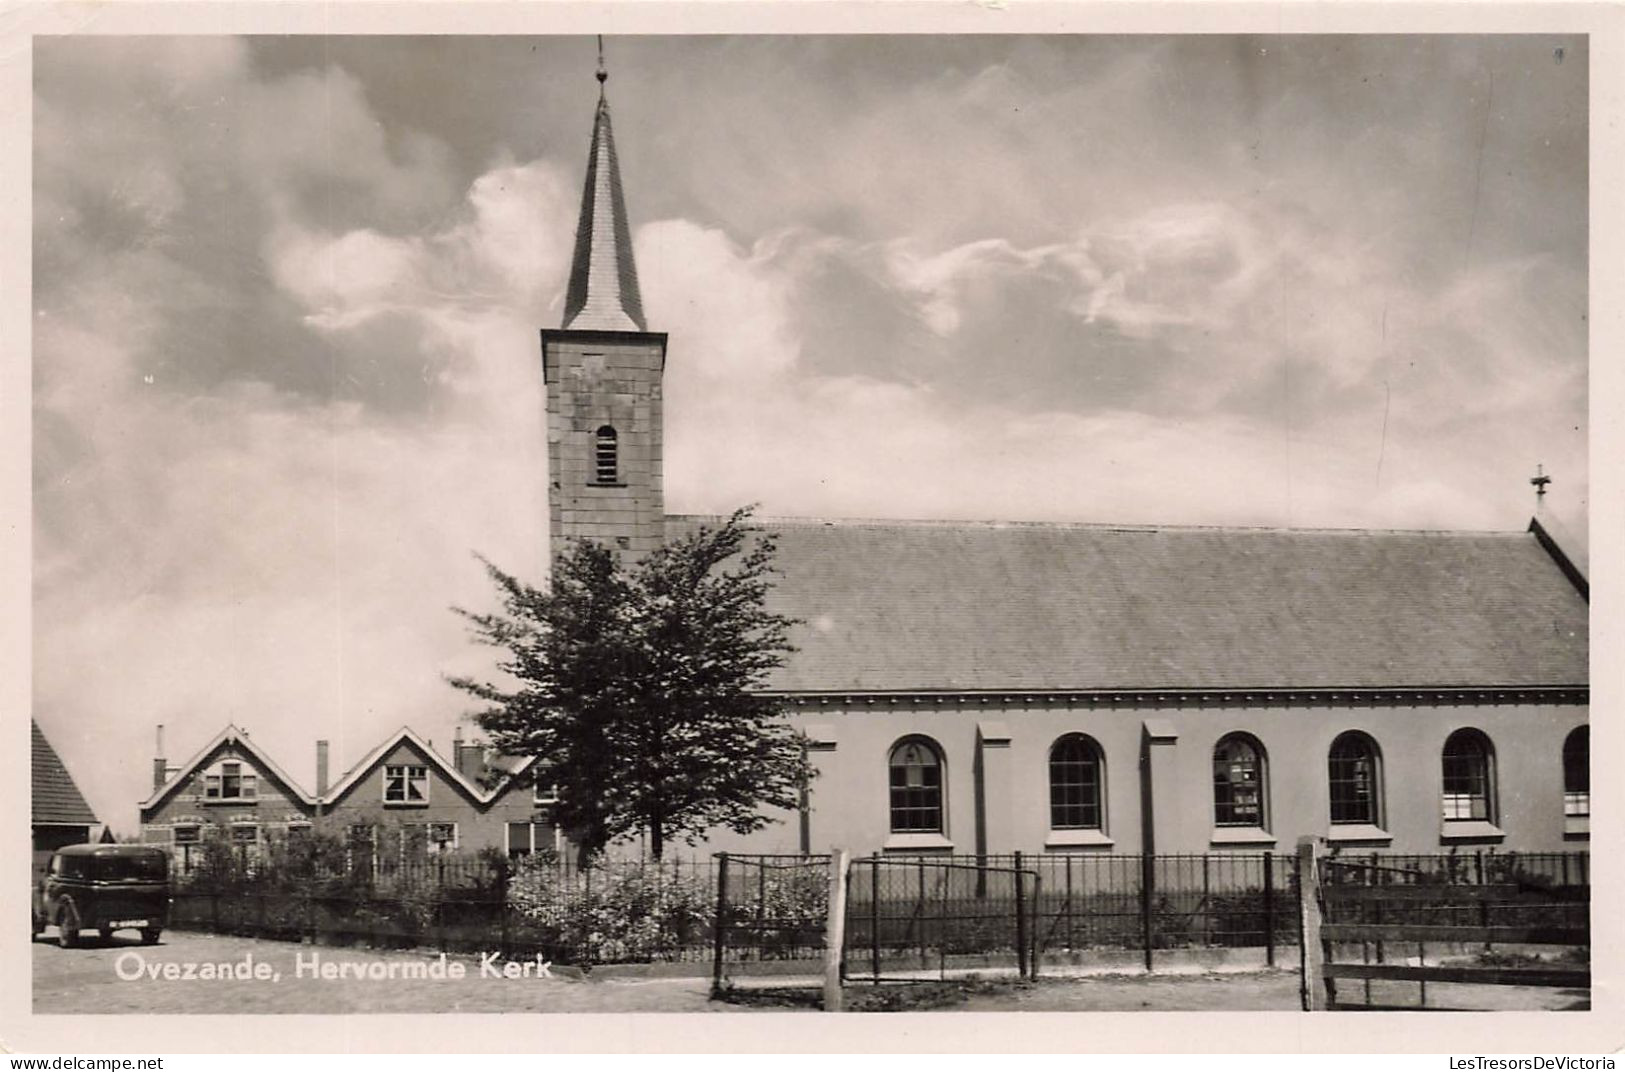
x=287, y=293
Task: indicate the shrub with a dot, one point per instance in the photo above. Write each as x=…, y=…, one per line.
x=614, y=912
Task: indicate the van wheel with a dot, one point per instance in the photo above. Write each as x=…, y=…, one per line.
x=67, y=925
x=149, y=936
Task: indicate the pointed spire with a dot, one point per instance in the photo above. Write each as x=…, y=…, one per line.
x=603, y=292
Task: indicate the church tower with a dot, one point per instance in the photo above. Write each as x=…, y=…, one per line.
x=603, y=370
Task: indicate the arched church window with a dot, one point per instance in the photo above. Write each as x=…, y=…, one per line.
x=1577, y=773
x=915, y=776
x=1469, y=772
x=1074, y=784
x=607, y=456
x=1353, y=776
x=1238, y=781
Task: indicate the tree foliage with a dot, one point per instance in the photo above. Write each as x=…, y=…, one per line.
x=639, y=685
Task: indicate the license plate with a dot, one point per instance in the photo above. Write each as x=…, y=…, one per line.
x=127, y=923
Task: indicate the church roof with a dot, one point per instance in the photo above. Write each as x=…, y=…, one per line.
x=57, y=800
x=946, y=606
x=603, y=291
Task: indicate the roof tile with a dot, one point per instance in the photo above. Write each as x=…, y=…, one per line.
x=927, y=606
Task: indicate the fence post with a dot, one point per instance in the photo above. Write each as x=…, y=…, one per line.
x=1148, y=922
x=874, y=917
x=720, y=927
x=1038, y=900
x=1311, y=957
x=1071, y=943
x=1207, y=902
x=835, y=931
x=1021, y=921
x=919, y=915
x=502, y=904
x=1269, y=908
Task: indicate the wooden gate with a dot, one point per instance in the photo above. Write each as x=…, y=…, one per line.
x=1389, y=915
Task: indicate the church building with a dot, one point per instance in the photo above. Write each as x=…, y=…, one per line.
x=995, y=686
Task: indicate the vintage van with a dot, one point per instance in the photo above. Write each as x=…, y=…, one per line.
x=103, y=888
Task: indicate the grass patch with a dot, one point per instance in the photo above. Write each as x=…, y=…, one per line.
x=920, y=996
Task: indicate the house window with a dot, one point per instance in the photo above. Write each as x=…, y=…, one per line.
x=298, y=831
x=406, y=783
x=606, y=451
x=1352, y=772
x=432, y=839
x=1468, y=777
x=1238, y=781
x=245, y=834
x=1577, y=773
x=915, y=775
x=227, y=781
x=188, y=834
x=1074, y=783
x=526, y=838
x=362, y=846
x=546, y=792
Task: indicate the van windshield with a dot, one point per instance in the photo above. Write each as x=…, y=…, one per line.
x=147, y=867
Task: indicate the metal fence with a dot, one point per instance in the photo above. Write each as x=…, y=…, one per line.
x=770, y=915
x=766, y=914
x=905, y=916
x=1092, y=901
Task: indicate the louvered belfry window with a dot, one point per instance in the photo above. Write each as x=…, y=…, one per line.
x=606, y=456
x=916, y=787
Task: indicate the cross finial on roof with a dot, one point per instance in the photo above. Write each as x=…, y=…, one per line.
x=1540, y=480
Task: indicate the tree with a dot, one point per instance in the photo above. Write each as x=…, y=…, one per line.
x=640, y=686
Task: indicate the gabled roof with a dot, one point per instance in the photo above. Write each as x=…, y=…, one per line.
x=967, y=607
x=240, y=739
x=56, y=799
x=513, y=769
x=603, y=290
x=403, y=735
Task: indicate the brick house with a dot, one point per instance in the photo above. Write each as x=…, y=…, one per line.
x=230, y=788
x=402, y=800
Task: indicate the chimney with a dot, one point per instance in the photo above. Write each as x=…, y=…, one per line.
x=468, y=757
x=321, y=768
x=160, y=766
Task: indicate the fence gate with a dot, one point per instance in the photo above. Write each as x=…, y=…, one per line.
x=914, y=918
x=1388, y=911
x=771, y=913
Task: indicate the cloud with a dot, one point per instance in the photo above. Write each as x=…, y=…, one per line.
x=217, y=540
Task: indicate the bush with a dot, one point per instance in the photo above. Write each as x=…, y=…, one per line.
x=614, y=912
